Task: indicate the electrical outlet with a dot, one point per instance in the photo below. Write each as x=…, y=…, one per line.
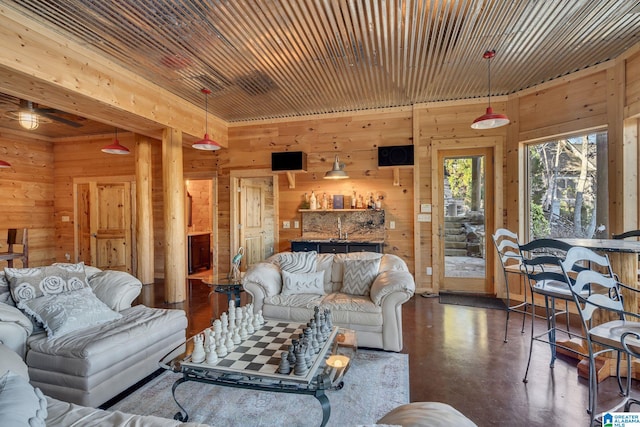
x=392, y=225
x=286, y=224
x=429, y=271
x=296, y=224
x=67, y=256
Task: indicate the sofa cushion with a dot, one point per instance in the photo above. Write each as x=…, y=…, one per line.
x=29, y=283
x=302, y=283
x=337, y=270
x=117, y=289
x=11, y=361
x=20, y=403
x=359, y=275
x=297, y=262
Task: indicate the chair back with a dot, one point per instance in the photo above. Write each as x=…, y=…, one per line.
x=546, y=246
x=508, y=247
x=604, y=294
x=626, y=234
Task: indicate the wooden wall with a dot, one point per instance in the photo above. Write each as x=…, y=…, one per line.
x=27, y=194
x=355, y=137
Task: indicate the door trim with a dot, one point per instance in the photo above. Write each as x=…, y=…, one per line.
x=495, y=144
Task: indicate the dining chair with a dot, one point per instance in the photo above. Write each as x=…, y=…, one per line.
x=541, y=263
x=628, y=235
x=605, y=300
x=508, y=247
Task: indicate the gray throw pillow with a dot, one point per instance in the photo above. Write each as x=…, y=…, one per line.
x=28, y=283
x=68, y=311
x=358, y=275
x=298, y=262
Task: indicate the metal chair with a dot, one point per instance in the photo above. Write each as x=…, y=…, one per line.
x=508, y=247
x=541, y=263
x=622, y=335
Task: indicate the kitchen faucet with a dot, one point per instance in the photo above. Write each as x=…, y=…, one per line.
x=339, y=228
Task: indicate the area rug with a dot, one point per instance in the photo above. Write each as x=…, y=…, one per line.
x=472, y=300
x=376, y=383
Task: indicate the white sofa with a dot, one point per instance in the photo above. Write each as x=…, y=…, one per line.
x=365, y=291
x=23, y=404
x=83, y=357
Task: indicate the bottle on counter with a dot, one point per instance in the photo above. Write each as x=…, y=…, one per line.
x=325, y=202
x=313, y=201
x=354, y=200
x=379, y=202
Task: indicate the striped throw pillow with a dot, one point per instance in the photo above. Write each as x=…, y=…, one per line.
x=358, y=275
x=298, y=262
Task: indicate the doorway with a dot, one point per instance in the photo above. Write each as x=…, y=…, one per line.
x=103, y=218
x=254, y=216
x=464, y=188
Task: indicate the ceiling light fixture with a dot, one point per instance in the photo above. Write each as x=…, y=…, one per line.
x=115, y=147
x=490, y=120
x=28, y=119
x=206, y=143
x=337, y=172
x=4, y=165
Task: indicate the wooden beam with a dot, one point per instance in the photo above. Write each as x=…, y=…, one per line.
x=41, y=65
x=175, y=252
x=144, y=211
x=291, y=177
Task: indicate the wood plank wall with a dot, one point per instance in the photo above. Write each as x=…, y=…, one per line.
x=355, y=138
x=27, y=194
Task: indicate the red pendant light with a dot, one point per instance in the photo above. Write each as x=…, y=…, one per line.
x=4, y=165
x=490, y=120
x=115, y=147
x=206, y=143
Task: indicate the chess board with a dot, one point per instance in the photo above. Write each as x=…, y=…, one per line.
x=259, y=354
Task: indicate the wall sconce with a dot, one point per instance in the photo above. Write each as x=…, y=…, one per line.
x=337, y=172
x=115, y=147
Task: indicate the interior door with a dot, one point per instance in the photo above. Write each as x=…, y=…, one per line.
x=110, y=225
x=465, y=203
x=252, y=214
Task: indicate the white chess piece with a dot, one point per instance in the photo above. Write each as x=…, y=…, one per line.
x=237, y=339
x=212, y=356
x=261, y=317
x=228, y=342
x=221, y=349
x=198, y=354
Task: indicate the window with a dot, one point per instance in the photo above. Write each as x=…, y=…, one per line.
x=566, y=187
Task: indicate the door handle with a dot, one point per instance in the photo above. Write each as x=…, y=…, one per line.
x=94, y=235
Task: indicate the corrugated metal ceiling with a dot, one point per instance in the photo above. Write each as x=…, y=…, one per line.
x=270, y=59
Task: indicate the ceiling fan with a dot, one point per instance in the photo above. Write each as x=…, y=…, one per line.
x=30, y=116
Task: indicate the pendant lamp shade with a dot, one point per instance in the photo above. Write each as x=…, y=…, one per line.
x=337, y=172
x=4, y=165
x=115, y=147
x=28, y=120
x=490, y=120
x=206, y=143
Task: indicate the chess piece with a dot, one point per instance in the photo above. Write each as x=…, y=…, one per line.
x=300, y=367
x=229, y=342
x=284, y=367
x=221, y=349
x=261, y=317
x=236, y=336
x=256, y=322
x=212, y=356
x=292, y=355
x=198, y=354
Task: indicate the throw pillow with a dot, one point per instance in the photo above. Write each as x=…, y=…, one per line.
x=358, y=275
x=29, y=283
x=5, y=291
x=68, y=311
x=302, y=283
x=298, y=262
x=20, y=403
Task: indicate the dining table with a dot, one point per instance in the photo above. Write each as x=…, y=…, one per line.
x=623, y=257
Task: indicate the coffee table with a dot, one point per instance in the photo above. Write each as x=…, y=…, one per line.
x=254, y=363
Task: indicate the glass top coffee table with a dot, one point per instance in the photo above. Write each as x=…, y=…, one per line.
x=257, y=361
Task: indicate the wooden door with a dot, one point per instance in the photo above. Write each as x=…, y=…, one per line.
x=108, y=209
x=465, y=212
x=252, y=220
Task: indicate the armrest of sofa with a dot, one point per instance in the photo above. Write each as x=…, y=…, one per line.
x=262, y=280
x=392, y=281
x=15, y=328
x=115, y=288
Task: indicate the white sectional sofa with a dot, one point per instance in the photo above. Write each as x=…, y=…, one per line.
x=22, y=404
x=95, y=344
x=365, y=291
